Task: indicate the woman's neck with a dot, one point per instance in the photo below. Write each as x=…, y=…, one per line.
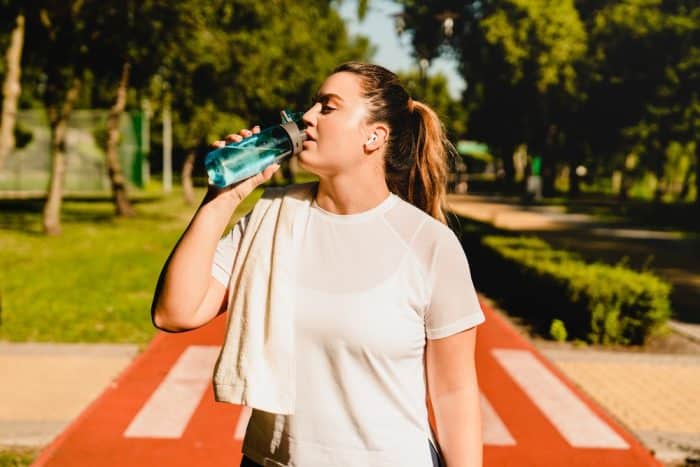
x=349, y=195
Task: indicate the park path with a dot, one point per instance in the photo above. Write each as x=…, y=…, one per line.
x=161, y=411
x=672, y=255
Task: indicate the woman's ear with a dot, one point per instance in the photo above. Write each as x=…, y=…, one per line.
x=377, y=138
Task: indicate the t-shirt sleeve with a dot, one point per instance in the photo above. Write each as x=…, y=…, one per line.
x=454, y=305
x=225, y=254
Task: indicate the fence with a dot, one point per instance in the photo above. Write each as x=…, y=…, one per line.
x=28, y=168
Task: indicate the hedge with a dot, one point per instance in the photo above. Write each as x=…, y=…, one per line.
x=595, y=302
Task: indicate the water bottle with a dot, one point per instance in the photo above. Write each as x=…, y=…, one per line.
x=239, y=160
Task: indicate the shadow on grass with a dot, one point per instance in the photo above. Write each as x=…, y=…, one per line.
x=25, y=215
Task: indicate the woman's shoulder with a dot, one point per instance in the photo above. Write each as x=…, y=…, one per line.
x=418, y=216
x=428, y=231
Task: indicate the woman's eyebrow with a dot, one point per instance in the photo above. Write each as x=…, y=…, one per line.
x=325, y=97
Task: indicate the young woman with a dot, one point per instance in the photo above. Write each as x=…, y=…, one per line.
x=386, y=314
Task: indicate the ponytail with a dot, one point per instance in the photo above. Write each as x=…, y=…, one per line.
x=417, y=151
x=427, y=178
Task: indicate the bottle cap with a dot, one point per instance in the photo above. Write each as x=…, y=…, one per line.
x=294, y=126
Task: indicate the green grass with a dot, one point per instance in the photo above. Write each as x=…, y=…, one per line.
x=17, y=457
x=95, y=281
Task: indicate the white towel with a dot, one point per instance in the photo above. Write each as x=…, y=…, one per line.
x=256, y=366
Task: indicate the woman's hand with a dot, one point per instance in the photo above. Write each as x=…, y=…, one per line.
x=239, y=191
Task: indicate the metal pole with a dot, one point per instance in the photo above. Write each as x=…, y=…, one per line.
x=145, y=142
x=167, y=148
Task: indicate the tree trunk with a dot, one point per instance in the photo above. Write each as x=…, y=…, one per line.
x=59, y=125
x=697, y=174
x=685, y=185
x=187, y=169
x=11, y=90
x=120, y=197
x=574, y=181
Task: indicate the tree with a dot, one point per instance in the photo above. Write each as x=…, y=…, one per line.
x=11, y=87
x=520, y=61
x=128, y=43
x=584, y=81
x=433, y=91
x=57, y=42
x=239, y=64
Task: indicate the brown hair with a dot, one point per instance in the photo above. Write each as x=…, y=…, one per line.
x=418, y=151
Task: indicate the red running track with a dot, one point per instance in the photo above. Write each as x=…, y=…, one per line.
x=153, y=415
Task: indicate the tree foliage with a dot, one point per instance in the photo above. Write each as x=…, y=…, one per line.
x=573, y=80
x=220, y=64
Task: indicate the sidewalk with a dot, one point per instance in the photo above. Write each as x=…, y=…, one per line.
x=162, y=411
x=654, y=396
x=51, y=385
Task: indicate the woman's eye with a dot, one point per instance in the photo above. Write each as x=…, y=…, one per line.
x=326, y=109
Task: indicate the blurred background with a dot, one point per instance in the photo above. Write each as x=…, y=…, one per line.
x=589, y=97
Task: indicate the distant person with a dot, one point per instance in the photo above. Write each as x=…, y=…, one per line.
x=385, y=312
x=534, y=179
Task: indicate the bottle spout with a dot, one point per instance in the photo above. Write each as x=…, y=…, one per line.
x=294, y=126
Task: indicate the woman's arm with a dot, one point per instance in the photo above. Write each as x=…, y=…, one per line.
x=187, y=296
x=454, y=394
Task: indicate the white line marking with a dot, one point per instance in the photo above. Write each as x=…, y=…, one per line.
x=572, y=418
x=242, y=423
x=494, y=430
x=170, y=407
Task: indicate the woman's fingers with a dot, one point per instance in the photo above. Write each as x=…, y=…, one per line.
x=244, y=133
x=233, y=137
x=248, y=185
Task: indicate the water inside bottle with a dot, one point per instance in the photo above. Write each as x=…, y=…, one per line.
x=239, y=160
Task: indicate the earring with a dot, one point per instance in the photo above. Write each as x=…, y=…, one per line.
x=372, y=139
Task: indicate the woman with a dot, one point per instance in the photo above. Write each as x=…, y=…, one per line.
x=386, y=313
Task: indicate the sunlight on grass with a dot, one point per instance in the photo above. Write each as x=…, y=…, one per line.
x=94, y=282
x=17, y=456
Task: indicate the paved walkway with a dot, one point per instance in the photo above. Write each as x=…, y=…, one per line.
x=653, y=396
x=161, y=411
x=51, y=385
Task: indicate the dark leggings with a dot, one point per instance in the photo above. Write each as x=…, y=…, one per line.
x=437, y=461
x=248, y=462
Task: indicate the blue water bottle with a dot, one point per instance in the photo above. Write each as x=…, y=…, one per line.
x=239, y=160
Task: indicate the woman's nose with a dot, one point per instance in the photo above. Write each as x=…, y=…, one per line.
x=309, y=117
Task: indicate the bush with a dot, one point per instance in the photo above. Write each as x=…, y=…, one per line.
x=596, y=302
x=557, y=330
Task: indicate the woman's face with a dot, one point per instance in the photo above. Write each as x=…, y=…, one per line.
x=336, y=127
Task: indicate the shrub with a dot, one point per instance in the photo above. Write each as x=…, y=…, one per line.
x=557, y=330
x=596, y=302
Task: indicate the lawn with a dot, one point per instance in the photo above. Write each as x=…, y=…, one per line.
x=17, y=456
x=94, y=282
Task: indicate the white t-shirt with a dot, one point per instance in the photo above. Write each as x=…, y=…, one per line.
x=372, y=288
